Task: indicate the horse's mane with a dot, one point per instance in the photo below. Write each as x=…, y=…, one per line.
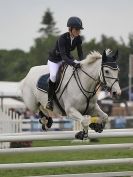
x=94, y=55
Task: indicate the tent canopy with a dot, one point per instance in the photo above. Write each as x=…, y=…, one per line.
x=9, y=89
x=12, y=103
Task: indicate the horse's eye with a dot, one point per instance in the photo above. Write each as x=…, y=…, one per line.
x=106, y=71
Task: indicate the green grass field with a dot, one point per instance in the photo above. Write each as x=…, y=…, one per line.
x=66, y=156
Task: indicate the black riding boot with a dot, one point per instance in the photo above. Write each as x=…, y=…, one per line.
x=50, y=95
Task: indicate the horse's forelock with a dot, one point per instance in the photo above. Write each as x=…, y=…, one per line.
x=108, y=51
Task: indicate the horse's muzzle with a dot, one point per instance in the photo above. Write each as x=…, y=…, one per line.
x=115, y=94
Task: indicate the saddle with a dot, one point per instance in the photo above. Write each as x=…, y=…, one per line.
x=42, y=83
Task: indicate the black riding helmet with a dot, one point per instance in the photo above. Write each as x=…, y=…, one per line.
x=74, y=22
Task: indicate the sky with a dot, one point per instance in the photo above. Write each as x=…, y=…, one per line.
x=20, y=20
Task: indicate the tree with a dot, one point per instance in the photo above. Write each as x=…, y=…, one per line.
x=49, y=24
x=39, y=52
x=13, y=64
x=108, y=42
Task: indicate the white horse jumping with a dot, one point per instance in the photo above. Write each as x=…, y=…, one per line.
x=77, y=95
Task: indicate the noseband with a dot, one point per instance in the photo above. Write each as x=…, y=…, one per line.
x=113, y=66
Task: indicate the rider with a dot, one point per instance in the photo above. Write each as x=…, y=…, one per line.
x=61, y=52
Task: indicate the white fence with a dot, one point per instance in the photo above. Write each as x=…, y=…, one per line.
x=67, y=148
x=103, y=174
x=66, y=135
x=54, y=136
x=78, y=126
x=9, y=123
x=11, y=130
x=66, y=163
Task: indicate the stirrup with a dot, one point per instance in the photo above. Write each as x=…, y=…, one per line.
x=49, y=105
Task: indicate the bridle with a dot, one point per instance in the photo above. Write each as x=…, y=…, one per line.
x=100, y=82
x=104, y=83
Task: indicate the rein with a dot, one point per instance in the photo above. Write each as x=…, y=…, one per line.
x=78, y=81
x=97, y=86
x=66, y=84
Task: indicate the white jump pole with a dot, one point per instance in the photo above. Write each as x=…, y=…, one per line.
x=103, y=174
x=67, y=148
x=66, y=163
x=63, y=132
x=62, y=136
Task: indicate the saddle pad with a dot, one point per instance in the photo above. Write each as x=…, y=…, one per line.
x=42, y=83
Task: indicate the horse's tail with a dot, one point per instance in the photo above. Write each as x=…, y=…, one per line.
x=21, y=85
x=23, y=82
x=27, y=95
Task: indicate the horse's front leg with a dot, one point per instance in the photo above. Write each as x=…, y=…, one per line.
x=77, y=116
x=102, y=118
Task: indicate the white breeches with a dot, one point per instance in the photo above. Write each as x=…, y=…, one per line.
x=53, y=69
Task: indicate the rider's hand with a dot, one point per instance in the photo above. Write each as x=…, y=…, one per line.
x=76, y=65
x=76, y=61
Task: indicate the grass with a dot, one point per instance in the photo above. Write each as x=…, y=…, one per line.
x=68, y=142
x=63, y=156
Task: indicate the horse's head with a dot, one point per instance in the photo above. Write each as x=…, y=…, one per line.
x=109, y=73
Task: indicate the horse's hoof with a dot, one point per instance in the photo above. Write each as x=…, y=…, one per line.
x=50, y=122
x=41, y=114
x=97, y=127
x=46, y=123
x=81, y=135
x=40, y=121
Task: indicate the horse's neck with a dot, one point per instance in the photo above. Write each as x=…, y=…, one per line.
x=93, y=69
x=88, y=76
x=91, y=79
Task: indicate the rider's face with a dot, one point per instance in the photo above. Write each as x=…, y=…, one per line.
x=75, y=32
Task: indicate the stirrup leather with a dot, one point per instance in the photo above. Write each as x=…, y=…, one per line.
x=50, y=105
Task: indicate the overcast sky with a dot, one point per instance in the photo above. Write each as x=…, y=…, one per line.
x=20, y=19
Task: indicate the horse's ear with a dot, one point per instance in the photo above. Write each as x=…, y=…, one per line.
x=116, y=55
x=104, y=56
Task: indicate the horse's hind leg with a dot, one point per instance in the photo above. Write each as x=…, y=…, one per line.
x=45, y=119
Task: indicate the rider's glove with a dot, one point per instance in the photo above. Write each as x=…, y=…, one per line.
x=76, y=65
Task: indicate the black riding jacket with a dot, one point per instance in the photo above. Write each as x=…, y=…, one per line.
x=63, y=48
